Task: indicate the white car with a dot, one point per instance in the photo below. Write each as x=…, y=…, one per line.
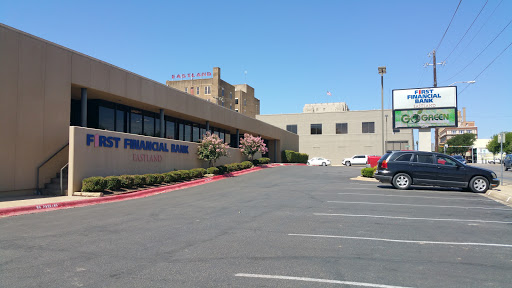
x=355, y=160
x=319, y=161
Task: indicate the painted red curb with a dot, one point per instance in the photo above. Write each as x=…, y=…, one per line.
x=12, y=211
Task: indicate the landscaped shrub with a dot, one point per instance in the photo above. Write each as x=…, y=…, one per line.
x=303, y=158
x=199, y=172
x=169, y=177
x=368, y=172
x=222, y=169
x=264, y=160
x=185, y=174
x=289, y=156
x=139, y=180
x=213, y=170
x=193, y=173
x=246, y=164
x=151, y=179
x=159, y=178
x=113, y=183
x=94, y=184
x=126, y=181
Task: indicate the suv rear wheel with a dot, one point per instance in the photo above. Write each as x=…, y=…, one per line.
x=479, y=184
x=402, y=181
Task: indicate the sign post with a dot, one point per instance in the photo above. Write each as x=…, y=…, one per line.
x=501, y=139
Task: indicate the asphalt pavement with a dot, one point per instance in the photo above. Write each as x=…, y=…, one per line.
x=292, y=226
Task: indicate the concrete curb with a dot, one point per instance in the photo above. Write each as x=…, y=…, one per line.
x=361, y=178
x=500, y=195
x=12, y=211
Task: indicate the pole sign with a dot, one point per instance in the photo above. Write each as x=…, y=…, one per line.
x=425, y=107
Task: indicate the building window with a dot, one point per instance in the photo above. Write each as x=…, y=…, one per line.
x=197, y=90
x=245, y=101
x=292, y=128
x=222, y=91
x=186, y=89
x=192, y=90
x=368, y=127
x=230, y=106
x=230, y=95
x=236, y=110
x=222, y=103
x=341, y=128
x=207, y=90
x=236, y=100
x=316, y=129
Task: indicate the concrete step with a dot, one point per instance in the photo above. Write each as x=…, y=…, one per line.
x=55, y=192
x=55, y=185
x=57, y=180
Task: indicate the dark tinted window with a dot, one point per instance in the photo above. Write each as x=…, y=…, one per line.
x=384, y=157
x=341, y=128
x=291, y=128
x=425, y=158
x=445, y=161
x=404, y=157
x=316, y=129
x=368, y=127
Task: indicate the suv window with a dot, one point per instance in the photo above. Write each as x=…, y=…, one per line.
x=384, y=157
x=422, y=158
x=404, y=157
x=445, y=161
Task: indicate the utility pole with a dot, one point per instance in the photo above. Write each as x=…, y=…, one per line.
x=434, y=63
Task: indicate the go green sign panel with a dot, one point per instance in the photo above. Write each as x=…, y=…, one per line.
x=425, y=118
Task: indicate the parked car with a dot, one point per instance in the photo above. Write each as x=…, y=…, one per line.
x=460, y=159
x=319, y=161
x=507, y=162
x=405, y=168
x=372, y=161
x=355, y=160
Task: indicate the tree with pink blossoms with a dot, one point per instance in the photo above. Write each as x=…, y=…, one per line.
x=211, y=148
x=250, y=145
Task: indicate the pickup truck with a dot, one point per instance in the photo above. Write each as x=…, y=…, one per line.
x=355, y=160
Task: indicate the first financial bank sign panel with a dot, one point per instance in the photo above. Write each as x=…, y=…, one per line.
x=420, y=108
x=97, y=140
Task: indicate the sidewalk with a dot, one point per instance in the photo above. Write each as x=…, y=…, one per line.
x=10, y=206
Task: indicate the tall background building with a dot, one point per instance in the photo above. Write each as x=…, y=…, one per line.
x=238, y=97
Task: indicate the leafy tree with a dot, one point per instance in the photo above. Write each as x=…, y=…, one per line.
x=250, y=145
x=211, y=148
x=467, y=139
x=494, y=146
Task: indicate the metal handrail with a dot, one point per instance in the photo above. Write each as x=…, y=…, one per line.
x=39, y=167
x=61, y=190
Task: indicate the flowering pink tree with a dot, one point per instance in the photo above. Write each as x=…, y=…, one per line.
x=250, y=145
x=211, y=148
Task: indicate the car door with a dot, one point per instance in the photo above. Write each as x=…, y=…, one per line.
x=450, y=172
x=423, y=169
x=359, y=159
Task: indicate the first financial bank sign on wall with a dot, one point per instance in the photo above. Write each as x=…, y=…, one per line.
x=114, y=142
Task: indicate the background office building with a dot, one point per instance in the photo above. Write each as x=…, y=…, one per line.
x=239, y=98
x=338, y=135
x=60, y=108
x=463, y=127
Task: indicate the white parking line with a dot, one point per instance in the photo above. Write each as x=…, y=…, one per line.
x=414, y=196
x=412, y=218
x=280, y=277
x=417, y=205
x=404, y=241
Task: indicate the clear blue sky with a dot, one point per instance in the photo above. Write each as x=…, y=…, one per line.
x=294, y=51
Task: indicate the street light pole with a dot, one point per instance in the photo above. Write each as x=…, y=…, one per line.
x=382, y=71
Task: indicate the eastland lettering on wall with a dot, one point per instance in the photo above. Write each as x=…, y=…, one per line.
x=133, y=144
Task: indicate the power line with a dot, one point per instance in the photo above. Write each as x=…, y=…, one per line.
x=487, y=67
x=467, y=31
x=479, y=53
x=487, y=20
x=448, y=25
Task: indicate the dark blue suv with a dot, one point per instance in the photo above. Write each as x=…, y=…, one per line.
x=405, y=168
x=507, y=162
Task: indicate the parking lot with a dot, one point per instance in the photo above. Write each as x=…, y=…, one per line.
x=280, y=227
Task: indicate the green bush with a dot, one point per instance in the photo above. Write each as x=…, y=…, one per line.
x=213, y=170
x=200, y=172
x=151, y=179
x=160, y=178
x=94, y=184
x=368, y=172
x=185, y=175
x=126, y=181
x=169, y=177
x=113, y=182
x=246, y=164
x=289, y=156
x=222, y=169
x=264, y=160
x=139, y=180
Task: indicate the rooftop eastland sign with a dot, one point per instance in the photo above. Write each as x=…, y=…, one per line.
x=190, y=75
x=430, y=97
x=423, y=118
x=115, y=142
